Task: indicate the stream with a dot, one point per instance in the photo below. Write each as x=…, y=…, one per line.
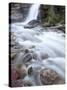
x=46, y=47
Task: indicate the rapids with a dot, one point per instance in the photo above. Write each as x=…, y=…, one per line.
x=41, y=42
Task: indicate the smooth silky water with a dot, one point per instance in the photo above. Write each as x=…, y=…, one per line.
x=41, y=42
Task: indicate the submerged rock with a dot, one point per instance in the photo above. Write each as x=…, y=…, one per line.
x=49, y=76
x=44, y=56
x=28, y=83
x=35, y=56
x=26, y=51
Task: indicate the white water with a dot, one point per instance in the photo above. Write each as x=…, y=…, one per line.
x=33, y=13
x=50, y=43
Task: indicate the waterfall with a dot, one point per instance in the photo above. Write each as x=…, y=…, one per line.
x=47, y=46
x=33, y=13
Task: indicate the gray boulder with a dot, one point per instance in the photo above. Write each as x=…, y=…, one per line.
x=32, y=24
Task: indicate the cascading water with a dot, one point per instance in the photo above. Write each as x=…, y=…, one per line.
x=42, y=43
x=33, y=13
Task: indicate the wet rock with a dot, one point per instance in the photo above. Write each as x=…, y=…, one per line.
x=30, y=70
x=22, y=70
x=13, y=43
x=14, y=74
x=27, y=57
x=26, y=51
x=35, y=56
x=32, y=24
x=18, y=12
x=18, y=71
x=49, y=77
x=44, y=56
x=17, y=83
x=40, y=56
x=28, y=83
x=13, y=56
x=12, y=39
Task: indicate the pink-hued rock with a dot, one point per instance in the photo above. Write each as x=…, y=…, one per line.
x=17, y=74
x=14, y=75
x=49, y=76
x=17, y=83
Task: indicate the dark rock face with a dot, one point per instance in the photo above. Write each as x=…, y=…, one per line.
x=18, y=12
x=49, y=77
x=32, y=24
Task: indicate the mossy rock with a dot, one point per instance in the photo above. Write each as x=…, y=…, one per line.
x=13, y=56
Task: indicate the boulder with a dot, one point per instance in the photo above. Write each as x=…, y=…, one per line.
x=32, y=24
x=13, y=55
x=18, y=71
x=27, y=58
x=22, y=70
x=17, y=83
x=49, y=77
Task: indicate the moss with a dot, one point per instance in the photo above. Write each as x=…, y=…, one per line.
x=53, y=15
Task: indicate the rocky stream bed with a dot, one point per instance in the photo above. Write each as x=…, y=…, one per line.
x=37, y=53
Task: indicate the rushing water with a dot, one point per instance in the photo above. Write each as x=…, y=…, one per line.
x=33, y=13
x=42, y=43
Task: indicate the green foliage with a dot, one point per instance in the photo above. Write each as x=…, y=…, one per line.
x=54, y=15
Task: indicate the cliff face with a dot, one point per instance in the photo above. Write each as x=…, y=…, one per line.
x=18, y=11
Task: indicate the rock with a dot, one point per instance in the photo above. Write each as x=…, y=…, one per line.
x=26, y=51
x=30, y=70
x=18, y=12
x=13, y=55
x=35, y=56
x=17, y=83
x=32, y=24
x=12, y=39
x=44, y=56
x=60, y=27
x=14, y=74
x=40, y=55
x=18, y=72
x=13, y=43
x=28, y=83
x=35, y=22
x=49, y=77
x=27, y=58
x=22, y=70
x=21, y=83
